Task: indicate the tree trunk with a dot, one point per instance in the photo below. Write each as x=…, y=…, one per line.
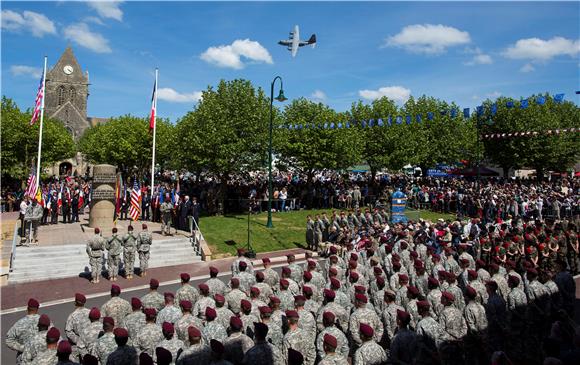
x=309, y=197
x=506, y=171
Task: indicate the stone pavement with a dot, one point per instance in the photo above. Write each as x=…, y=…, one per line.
x=16, y=295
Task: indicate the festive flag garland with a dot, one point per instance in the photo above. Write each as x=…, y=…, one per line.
x=530, y=133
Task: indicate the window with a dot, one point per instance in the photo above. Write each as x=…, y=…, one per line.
x=71, y=94
x=61, y=95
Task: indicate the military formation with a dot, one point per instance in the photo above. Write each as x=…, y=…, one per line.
x=119, y=250
x=391, y=297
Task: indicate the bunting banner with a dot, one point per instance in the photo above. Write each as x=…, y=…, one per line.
x=549, y=132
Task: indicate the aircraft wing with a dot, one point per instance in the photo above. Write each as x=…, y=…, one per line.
x=285, y=42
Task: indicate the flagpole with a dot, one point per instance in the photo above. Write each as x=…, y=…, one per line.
x=154, y=130
x=40, y=131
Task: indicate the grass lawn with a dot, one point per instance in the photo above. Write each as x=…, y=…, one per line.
x=225, y=234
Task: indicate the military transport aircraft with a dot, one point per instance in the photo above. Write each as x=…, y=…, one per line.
x=293, y=42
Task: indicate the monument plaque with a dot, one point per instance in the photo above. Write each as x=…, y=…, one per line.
x=103, y=197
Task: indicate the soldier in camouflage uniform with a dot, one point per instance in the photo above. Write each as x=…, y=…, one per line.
x=105, y=344
x=144, y=241
x=341, y=345
x=204, y=301
x=23, y=330
x=454, y=330
x=338, y=311
x=298, y=339
x=95, y=248
x=476, y=320
x=517, y=305
x=275, y=335
x=235, y=267
x=235, y=296
x=170, y=343
x=265, y=288
x=285, y=296
x=77, y=321
x=271, y=277
x=166, y=215
x=263, y=352
x=153, y=299
x=197, y=352
x=186, y=292
x=114, y=248
x=247, y=280
x=237, y=343
x=573, y=248
x=213, y=330
x=247, y=317
x=429, y=335
x=116, y=307
x=170, y=313
x=216, y=286
x=135, y=320
x=363, y=314
x=48, y=355
x=129, y=250
x=223, y=312
x=150, y=335
x=296, y=271
x=369, y=352
x=187, y=320
x=123, y=354
x=90, y=333
x=37, y=343
x=306, y=320
x=331, y=357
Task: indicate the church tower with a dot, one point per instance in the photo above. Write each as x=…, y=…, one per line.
x=67, y=91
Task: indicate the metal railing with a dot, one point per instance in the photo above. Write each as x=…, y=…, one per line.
x=15, y=238
x=195, y=236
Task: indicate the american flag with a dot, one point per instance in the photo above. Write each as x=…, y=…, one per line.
x=39, y=101
x=31, y=188
x=135, y=209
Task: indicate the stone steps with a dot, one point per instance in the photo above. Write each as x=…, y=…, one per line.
x=51, y=262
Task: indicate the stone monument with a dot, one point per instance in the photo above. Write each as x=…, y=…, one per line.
x=103, y=197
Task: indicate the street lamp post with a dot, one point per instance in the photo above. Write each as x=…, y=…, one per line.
x=280, y=98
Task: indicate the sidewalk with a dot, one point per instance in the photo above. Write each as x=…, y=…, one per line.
x=16, y=295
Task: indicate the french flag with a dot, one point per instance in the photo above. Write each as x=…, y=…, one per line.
x=153, y=105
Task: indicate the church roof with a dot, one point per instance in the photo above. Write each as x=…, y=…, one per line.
x=67, y=59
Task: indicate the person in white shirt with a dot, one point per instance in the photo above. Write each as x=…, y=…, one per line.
x=23, y=206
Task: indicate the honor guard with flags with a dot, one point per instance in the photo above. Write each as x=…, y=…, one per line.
x=135, y=209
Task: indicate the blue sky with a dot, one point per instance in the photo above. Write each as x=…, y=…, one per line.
x=459, y=51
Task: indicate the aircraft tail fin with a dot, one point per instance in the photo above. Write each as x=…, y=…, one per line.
x=312, y=40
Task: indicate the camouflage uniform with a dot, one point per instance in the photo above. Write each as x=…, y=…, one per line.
x=369, y=353
x=296, y=272
x=307, y=322
x=233, y=298
x=481, y=291
x=236, y=346
x=186, y=292
x=133, y=324
x=247, y=280
x=153, y=300
x=123, y=355
x=95, y=248
x=213, y=331
x=216, y=286
x=235, y=267
x=312, y=306
x=223, y=316
x=114, y=248
x=183, y=324
x=390, y=319
x=34, y=346
x=75, y=323
x=89, y=337
x=454, y=330
x=174, y=346
x=148, y=338
x=144, y=241
x=459, y=302
x=429, y=336
x=166, y=209
x=200, y=306
x=264, y=353
x=46, y=357
x=275, y=335
x=286, y=300
x=169, y=314
x=341, y=340
x=194, y=354
x=129, y=249
x=271, y=278
x=367, y=316
x=434, y=298
x=117, y=308
x=104, y=346
x=248, y=321
x=265, y=291
x=334, y=359
x=300, y=341
x=502, y=285
x=339, y=312
x=476, y=320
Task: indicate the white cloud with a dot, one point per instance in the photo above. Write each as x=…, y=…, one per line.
x=479, y=58
x=35, y=23
x=396, y=93
x=230, y=55
x=94, y=20
x=169, y=94
x=21, y=70
x=494, y=95
x=428, y=38
x=107, y=9
x=528, y=67
x=83, y=36
x=539, y=50
x=318, y=95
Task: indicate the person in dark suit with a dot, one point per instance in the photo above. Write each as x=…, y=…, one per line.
x=195, y=207
x=184, y=212
x=145, y=204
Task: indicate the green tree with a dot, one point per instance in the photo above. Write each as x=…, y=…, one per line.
x=20, y=141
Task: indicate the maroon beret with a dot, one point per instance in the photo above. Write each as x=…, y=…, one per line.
x=366, y=330
x=291, y=314
x=286, y=270
x=120, y=332
x=396, y=265
x=274, y=299
x=329, y=317
x=442, y=274
x=185, y=304
x=265, y=310
x=414, y=254
x=334, y=283
x=532, y=271
x=492, y=284
x=307, y=275
x=472, y=274
x=144, y=226
x=259, y=275
x=245, y=304
x=377, y=270
x=333, y=271
x=210, y=313
x=109, y=320
x=361, y=298
x=423, y=304
x=167, y=327
x=353, y=275
x=64, y=347
x=403, y=277
x=307, y=290
x=154, y=283
x=311, y=264
x=150, y=312
x=214, y=270
x=219, y=298
x=329, y=294
x=493, y=266
x=266, y=260
x=450, y=276
x=43, y=320
x=470, y=292
x=299, y=299
x=513, y=280
x=203, y=287
x=235, y=281
x=80, y=298
x=94, y=313
x=169, y=295
x=136, y=303
x=353, y=256
x=330, y=340
x=403, y=316
x=53, y=333
x=115, y=289
x=236, y=322
x=97, y=230
x=449, y=296
x=432, y=281
x=380, y=280
x=192, y=332
x=413, y=290
x=33, y=303
x=284, y=283
x=243, y=264
x=360, y=289
x=333, y=250
x=184, y=277
x=254, y=290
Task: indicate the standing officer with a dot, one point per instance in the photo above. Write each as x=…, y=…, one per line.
x=75, y=206
x=129, y=249
x=23, y=330
x=95, y=248
x=114, y=249
x=54, y=208
x=166, y=210
x=66, y=206
x=32, y=219
x=184, y=213
x=144, y=241
x=145, y=204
